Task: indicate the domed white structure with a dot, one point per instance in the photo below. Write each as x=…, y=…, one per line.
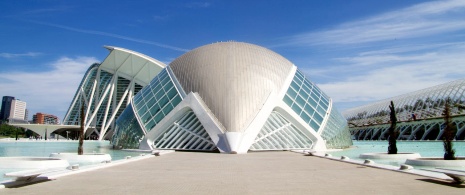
x=232, y=97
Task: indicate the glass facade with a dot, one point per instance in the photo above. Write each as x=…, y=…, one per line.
x=279, y=134
x=156, y=100
x=336, y=132
x=128, y=133
x=307, y=100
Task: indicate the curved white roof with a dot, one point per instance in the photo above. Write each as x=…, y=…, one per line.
x=131, y=65
x=234, y=79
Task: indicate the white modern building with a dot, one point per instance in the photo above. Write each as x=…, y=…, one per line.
x=419, y=114
x=230, y=97
x=18, y=110
x=107, y=88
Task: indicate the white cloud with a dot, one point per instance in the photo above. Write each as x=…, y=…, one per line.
x=416, y=21
x=394, y=74
x=50, y=91
x=18, y=55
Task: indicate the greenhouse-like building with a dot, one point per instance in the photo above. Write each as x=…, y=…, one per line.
x=108, y=87
x=419, y=114
x=231, y=97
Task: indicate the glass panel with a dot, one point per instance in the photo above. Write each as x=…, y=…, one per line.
x=159, y=117
x=163, y=101
x=146, y=117
x=160, y=94
x=151, y=102
x=315, y=97
x=296, y=108
x=321, y=110
x=168, y=86
x=314, y=125
x=155, y=109
x=300, y=101
x=291, y=93
x=318, y=118
x=312, y=102
x=305, y=117
x=176, y=100
x=306, y=88
x=128, y=133
x=172, y=92
x=142, y=110
x=295, y=86
x=167, y=109
x=150, y=125
x=288, y=100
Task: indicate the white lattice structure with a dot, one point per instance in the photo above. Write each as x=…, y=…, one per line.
x=231, y=97
x=107, y=88
x=417, y=112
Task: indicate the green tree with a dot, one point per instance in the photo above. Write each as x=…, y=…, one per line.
x=11, y=131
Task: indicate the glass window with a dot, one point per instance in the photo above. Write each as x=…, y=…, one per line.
x=167, y=86
x=159, y=95
x=163, y=101
x=172, y=92
x=146, y=117
x=176, y=100
x=305, y=117
x=321, y=110
x=312, y=102
x=159, y=117
x=291, y=93
x=295, y=86
x=314, y=125
x=296, y=108
x=318, y=118
x=288, y=100
x=167, y=109
x=306, y=88
x=151, y=102
x=150, y=125
x=300, y=101
x=142, y=110
x=155, y=109
x=315, y=96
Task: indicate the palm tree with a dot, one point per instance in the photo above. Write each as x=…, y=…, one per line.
x=449, y=152
x=392, y=149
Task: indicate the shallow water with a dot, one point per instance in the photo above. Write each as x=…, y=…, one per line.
x=42, y=148
x=425, y=148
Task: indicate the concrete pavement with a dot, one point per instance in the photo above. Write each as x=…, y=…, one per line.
x=252, y=173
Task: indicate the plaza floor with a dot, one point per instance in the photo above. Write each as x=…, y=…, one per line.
x=252, y=173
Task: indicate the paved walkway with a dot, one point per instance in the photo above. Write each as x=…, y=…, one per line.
x=253, y=173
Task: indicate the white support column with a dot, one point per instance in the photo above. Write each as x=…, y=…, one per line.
x=117, y=108
x=90, y=102
x=98, y=105
x=107, y=108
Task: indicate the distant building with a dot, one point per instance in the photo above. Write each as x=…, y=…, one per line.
x=419, y=114
x=6, y=107
x=26, y=116
x=18, y=109
x=41, y=118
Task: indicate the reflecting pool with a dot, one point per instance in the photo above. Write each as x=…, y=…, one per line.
x=35, y=148
x=425, y=148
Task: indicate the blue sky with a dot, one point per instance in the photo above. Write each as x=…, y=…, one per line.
x=356, y=51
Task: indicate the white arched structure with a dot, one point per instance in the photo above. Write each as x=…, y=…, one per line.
x=232, y=97
x=107, y=89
